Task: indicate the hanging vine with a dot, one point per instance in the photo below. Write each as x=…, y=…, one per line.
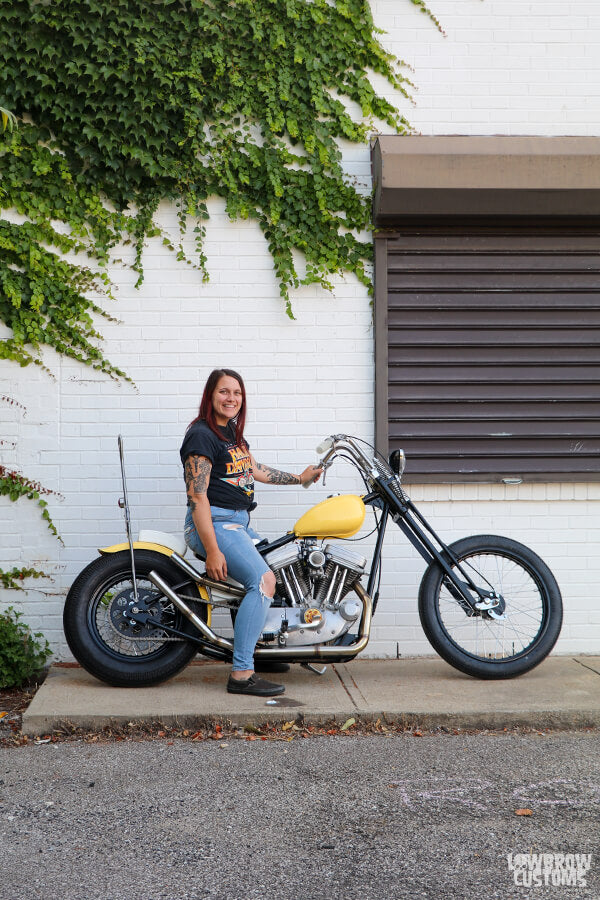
x=130, y=103
x=14, y=486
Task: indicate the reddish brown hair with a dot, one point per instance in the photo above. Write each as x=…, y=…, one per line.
x=206, y=412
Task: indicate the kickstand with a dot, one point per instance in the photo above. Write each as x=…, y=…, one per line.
x=314, y=669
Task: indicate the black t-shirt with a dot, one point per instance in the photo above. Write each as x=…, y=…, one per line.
x=231, y=483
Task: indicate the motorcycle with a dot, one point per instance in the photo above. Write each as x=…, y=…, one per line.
x=488, y=605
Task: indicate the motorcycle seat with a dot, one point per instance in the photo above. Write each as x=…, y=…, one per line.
x=172, y=541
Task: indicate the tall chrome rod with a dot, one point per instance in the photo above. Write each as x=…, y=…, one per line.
x=124, y=504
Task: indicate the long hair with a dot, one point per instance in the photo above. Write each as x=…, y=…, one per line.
x=206, y=412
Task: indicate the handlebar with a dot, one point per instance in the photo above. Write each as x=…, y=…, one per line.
x=372, y=468
x=345, y=442
x=332, y=446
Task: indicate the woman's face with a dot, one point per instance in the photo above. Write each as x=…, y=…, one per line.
x=226, y=399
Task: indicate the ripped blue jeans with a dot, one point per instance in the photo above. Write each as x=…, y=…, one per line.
x=244, y=563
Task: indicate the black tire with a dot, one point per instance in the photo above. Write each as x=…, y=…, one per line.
x=105, y=644
x=481, y=645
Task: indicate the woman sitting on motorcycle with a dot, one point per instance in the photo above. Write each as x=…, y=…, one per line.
x=219, y=473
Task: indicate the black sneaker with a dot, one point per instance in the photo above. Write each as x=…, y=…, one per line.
x=253, y=685
x=271, y=665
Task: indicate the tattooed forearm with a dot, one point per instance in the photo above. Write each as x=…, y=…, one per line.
x=274, y=476
x=197, y=473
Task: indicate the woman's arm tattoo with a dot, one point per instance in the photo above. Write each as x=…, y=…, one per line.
x=197, y=474
x=274, y=476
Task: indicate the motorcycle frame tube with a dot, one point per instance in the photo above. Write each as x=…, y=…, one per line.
x=294, y=654
x=376, y=560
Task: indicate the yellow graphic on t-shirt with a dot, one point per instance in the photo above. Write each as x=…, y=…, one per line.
x=240, y=468
x=241, y=461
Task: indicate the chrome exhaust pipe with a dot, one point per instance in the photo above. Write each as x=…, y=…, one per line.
x=182, y=606
x=298, y=654
x=223, y=586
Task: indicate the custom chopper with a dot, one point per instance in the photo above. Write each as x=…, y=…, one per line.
x=489, y=606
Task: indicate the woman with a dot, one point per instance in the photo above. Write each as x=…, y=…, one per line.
x=219, y=473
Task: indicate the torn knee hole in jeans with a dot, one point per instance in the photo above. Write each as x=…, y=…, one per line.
x=263, y=592
x=231, y=527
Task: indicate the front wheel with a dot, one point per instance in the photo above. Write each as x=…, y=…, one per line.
x=506, y=640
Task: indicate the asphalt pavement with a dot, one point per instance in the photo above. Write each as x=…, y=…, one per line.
x=563, y=692
x=346, y=817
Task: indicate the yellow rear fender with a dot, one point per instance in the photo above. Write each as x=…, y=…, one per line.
x=157, y=548
x=137, y=545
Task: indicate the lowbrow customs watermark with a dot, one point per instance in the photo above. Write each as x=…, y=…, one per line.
x=549, y=869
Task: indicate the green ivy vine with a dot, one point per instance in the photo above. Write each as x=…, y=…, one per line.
x=14, y=486
x=12, y=580
x=128, y=103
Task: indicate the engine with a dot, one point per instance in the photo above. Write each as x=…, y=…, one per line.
x=314, y=583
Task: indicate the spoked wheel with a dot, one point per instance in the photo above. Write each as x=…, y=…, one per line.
x=108, y=642
x=510, y=638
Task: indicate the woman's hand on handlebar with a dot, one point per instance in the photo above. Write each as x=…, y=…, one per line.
x=310, y=475
x=216, y=565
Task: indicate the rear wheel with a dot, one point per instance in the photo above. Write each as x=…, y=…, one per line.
x=508, y=639
x=107, y=642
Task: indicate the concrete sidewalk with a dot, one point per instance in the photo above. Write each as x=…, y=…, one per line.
x=563, y=692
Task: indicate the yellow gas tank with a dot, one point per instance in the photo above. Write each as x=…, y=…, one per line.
x=335, y=517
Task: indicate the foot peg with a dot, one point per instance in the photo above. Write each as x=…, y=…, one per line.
x=314, y=669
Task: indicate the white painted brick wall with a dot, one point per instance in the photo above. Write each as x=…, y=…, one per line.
x=505, y=67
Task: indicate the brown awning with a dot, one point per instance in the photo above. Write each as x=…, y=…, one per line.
x=448, y=175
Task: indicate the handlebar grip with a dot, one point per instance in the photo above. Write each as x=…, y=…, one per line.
x=307, y=484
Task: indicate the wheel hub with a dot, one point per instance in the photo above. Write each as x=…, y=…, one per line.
x=123, y=606
x=497, y=611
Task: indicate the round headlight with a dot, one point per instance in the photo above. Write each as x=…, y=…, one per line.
x=397, y=461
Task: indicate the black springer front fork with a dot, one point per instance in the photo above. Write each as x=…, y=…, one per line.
x=427, y=544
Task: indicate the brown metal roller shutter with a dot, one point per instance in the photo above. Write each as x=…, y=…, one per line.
x=493, y=350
